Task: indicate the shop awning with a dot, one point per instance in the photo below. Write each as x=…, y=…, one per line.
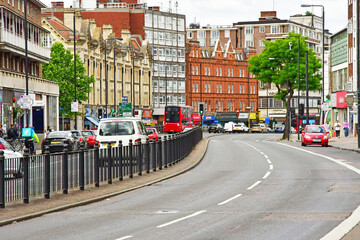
x=93, y=121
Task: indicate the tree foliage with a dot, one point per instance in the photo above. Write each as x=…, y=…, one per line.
x=61, y=69
x=271, y=67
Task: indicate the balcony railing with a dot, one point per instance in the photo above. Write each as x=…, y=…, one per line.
x=19, y=41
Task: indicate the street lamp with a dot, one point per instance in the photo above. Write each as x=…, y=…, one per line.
x=358, y=70
x=27, y=116
x=106, y=74
x=139, y=56
x=323, y=51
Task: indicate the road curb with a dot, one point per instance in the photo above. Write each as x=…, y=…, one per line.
x=347, y=149
x=101, y=198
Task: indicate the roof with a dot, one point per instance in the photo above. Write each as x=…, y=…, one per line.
x=61, y=28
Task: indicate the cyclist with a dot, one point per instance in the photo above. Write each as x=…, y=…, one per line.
x=30, y=139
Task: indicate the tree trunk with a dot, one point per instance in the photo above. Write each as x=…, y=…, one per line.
x=287, y=129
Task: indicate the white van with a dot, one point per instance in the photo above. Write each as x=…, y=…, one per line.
x=116, y=129
x=229, y=127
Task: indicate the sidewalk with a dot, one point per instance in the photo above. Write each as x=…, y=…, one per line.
x=345, y=143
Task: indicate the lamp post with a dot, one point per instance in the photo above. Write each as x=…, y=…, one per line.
x=27, y=115
x=134, y=57
x=358, y=69
x=323, y=51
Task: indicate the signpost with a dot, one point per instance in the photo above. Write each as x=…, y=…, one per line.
x=26, y=101
x=74, y=106
x=125, y=110
x=125, y=99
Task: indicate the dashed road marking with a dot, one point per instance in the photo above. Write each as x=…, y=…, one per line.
x=254, y=185
x=266, y=175
x=230, y=199
x=181, y=219
x=271, y=167
x=123, y=238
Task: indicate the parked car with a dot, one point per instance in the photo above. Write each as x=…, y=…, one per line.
x=90, y=139
x=79, y=137
x=13, y=163
x=56, y=140
x=243, y=127
x=124, y=129
x=314, y=135
x=237, y=128
x=261, y=128
x=216, y=128
x=279, y=129
x=228, y=127
x=152, y=134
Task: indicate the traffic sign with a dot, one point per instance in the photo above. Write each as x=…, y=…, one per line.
x=125, y=110
x=74, y=106
x=125, y=99
x=26, y=101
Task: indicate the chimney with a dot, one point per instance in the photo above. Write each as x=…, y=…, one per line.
x=268, y=15
x=57, y=4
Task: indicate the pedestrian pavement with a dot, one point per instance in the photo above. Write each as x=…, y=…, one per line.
x=349, y=143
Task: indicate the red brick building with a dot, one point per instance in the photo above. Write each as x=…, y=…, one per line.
x=219, y=77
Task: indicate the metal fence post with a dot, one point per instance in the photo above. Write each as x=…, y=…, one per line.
x=131, y=158
x=47, y=173
x=65, y=168
x=169, y=142
x=82, y=167
x=147, y=155
x=140, y=157
x=121, y=177
x=165, y=151
x=160, y=153
x=153, y=154
x=26, y=175
x=2, y=179
x=96, y=165
x=109, y=163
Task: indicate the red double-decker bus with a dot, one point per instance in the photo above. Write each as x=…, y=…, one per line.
x=177, y=118
x=301, y=121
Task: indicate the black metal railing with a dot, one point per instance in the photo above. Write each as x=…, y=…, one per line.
x=41, y=175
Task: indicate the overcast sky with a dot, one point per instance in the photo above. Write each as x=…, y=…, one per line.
x=227, y=12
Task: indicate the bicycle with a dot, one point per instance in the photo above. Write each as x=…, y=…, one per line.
x=18, y=144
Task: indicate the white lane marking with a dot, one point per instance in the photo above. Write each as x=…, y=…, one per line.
x=271, y=167
x=230, y=199
x=123, y=238
x=266, y=175
x=269, y=161
x=348, y=224
x=266, y=156
x=254, y=185
x=181, y=219
x=256, y=140
x=262, y=153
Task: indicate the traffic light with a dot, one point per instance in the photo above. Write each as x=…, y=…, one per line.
x=301, y=109
x=100, y=113
x=293, y=117
x=201, y=108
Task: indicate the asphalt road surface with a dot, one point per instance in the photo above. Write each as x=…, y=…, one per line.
x=248, y=186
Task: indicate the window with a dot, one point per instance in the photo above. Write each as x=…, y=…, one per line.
x=193, y=70
x=217, y=71
x=209, y=70
x=275, y=29
x=232, y=88
x=249, y=43
x=227, y=33
x=262, y=29
x=205, y=87
x=197, y=70
x=220, y=71
x=249, y=30
x=209, y=87
x=229, y=72
x=261, y=43
x=217, y=88
x=190, y=35
x=201, y=34
x=215, y=34
x=229, y=90
x=220, y=88
x=197, y=87
x=240, y=87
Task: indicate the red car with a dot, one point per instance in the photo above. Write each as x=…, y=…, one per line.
x=152, y=134
x=314, y=134
x=89, y=137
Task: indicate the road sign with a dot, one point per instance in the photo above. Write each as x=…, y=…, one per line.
x=26, y=101
x=125, y=99
x=74, y=106
x=125, y=110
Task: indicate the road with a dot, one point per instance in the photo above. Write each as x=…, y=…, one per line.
x=248, y=186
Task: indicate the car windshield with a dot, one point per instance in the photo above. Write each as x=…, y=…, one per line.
x=219, y=125
x=116, y=128
x=150, y=131
x=5, y=145
x=88, y=133
x=256, y=125
x=76, y=134
x=315, y=129
x=237, y=125
x=58, y=134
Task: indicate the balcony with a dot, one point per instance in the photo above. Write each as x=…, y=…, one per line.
x=16, y=41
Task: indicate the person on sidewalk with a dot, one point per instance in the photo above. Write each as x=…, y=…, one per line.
x=328, y=129
x=346, y=128
x=337, y=127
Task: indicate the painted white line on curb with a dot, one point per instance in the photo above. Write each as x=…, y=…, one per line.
x=266, y=175
x=181, y=219
x=254, y=185
x=348, y=224
x=230, y=199
x=271, y=167
x=123, y=238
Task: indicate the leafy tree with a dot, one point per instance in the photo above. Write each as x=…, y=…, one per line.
x=61, y=69
x=271, y=67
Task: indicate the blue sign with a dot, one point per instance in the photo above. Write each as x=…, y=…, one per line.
x=216, y=121
x=124, y=99
x=267, y=120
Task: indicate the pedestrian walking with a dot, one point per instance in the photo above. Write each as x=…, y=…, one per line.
x=337, y=127
x=12, y=133
x=346, y=127
x=1, y=131
x=328, y=129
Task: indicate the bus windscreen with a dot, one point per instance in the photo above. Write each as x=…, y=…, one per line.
x=172, y=114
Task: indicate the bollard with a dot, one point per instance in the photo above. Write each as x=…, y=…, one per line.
x=131, y=158
x=160, y=153
x=165, y=151
x=47, y=173
x=96, y=165
x=109, y=162
x=121, y=177
x=140, y=157
x=82, y=167
x=147, y=155
x=26, y=161
x=65, y=169
x=2, y=179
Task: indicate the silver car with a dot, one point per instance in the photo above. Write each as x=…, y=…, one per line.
x=13, y=159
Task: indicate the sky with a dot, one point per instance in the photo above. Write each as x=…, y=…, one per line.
x=227, y=12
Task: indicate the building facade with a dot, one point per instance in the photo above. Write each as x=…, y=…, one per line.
x=218, y=77
x=251, y=35
x=13, y=74
x=121, y=67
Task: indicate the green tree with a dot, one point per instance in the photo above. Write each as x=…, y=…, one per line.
x=271, y=67
x=61, y=69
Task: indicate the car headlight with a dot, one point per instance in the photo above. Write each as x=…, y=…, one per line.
x=325, y=137
x=307, y=137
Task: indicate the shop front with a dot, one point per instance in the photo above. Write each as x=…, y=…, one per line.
x=208, y=120
x=227, y=117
